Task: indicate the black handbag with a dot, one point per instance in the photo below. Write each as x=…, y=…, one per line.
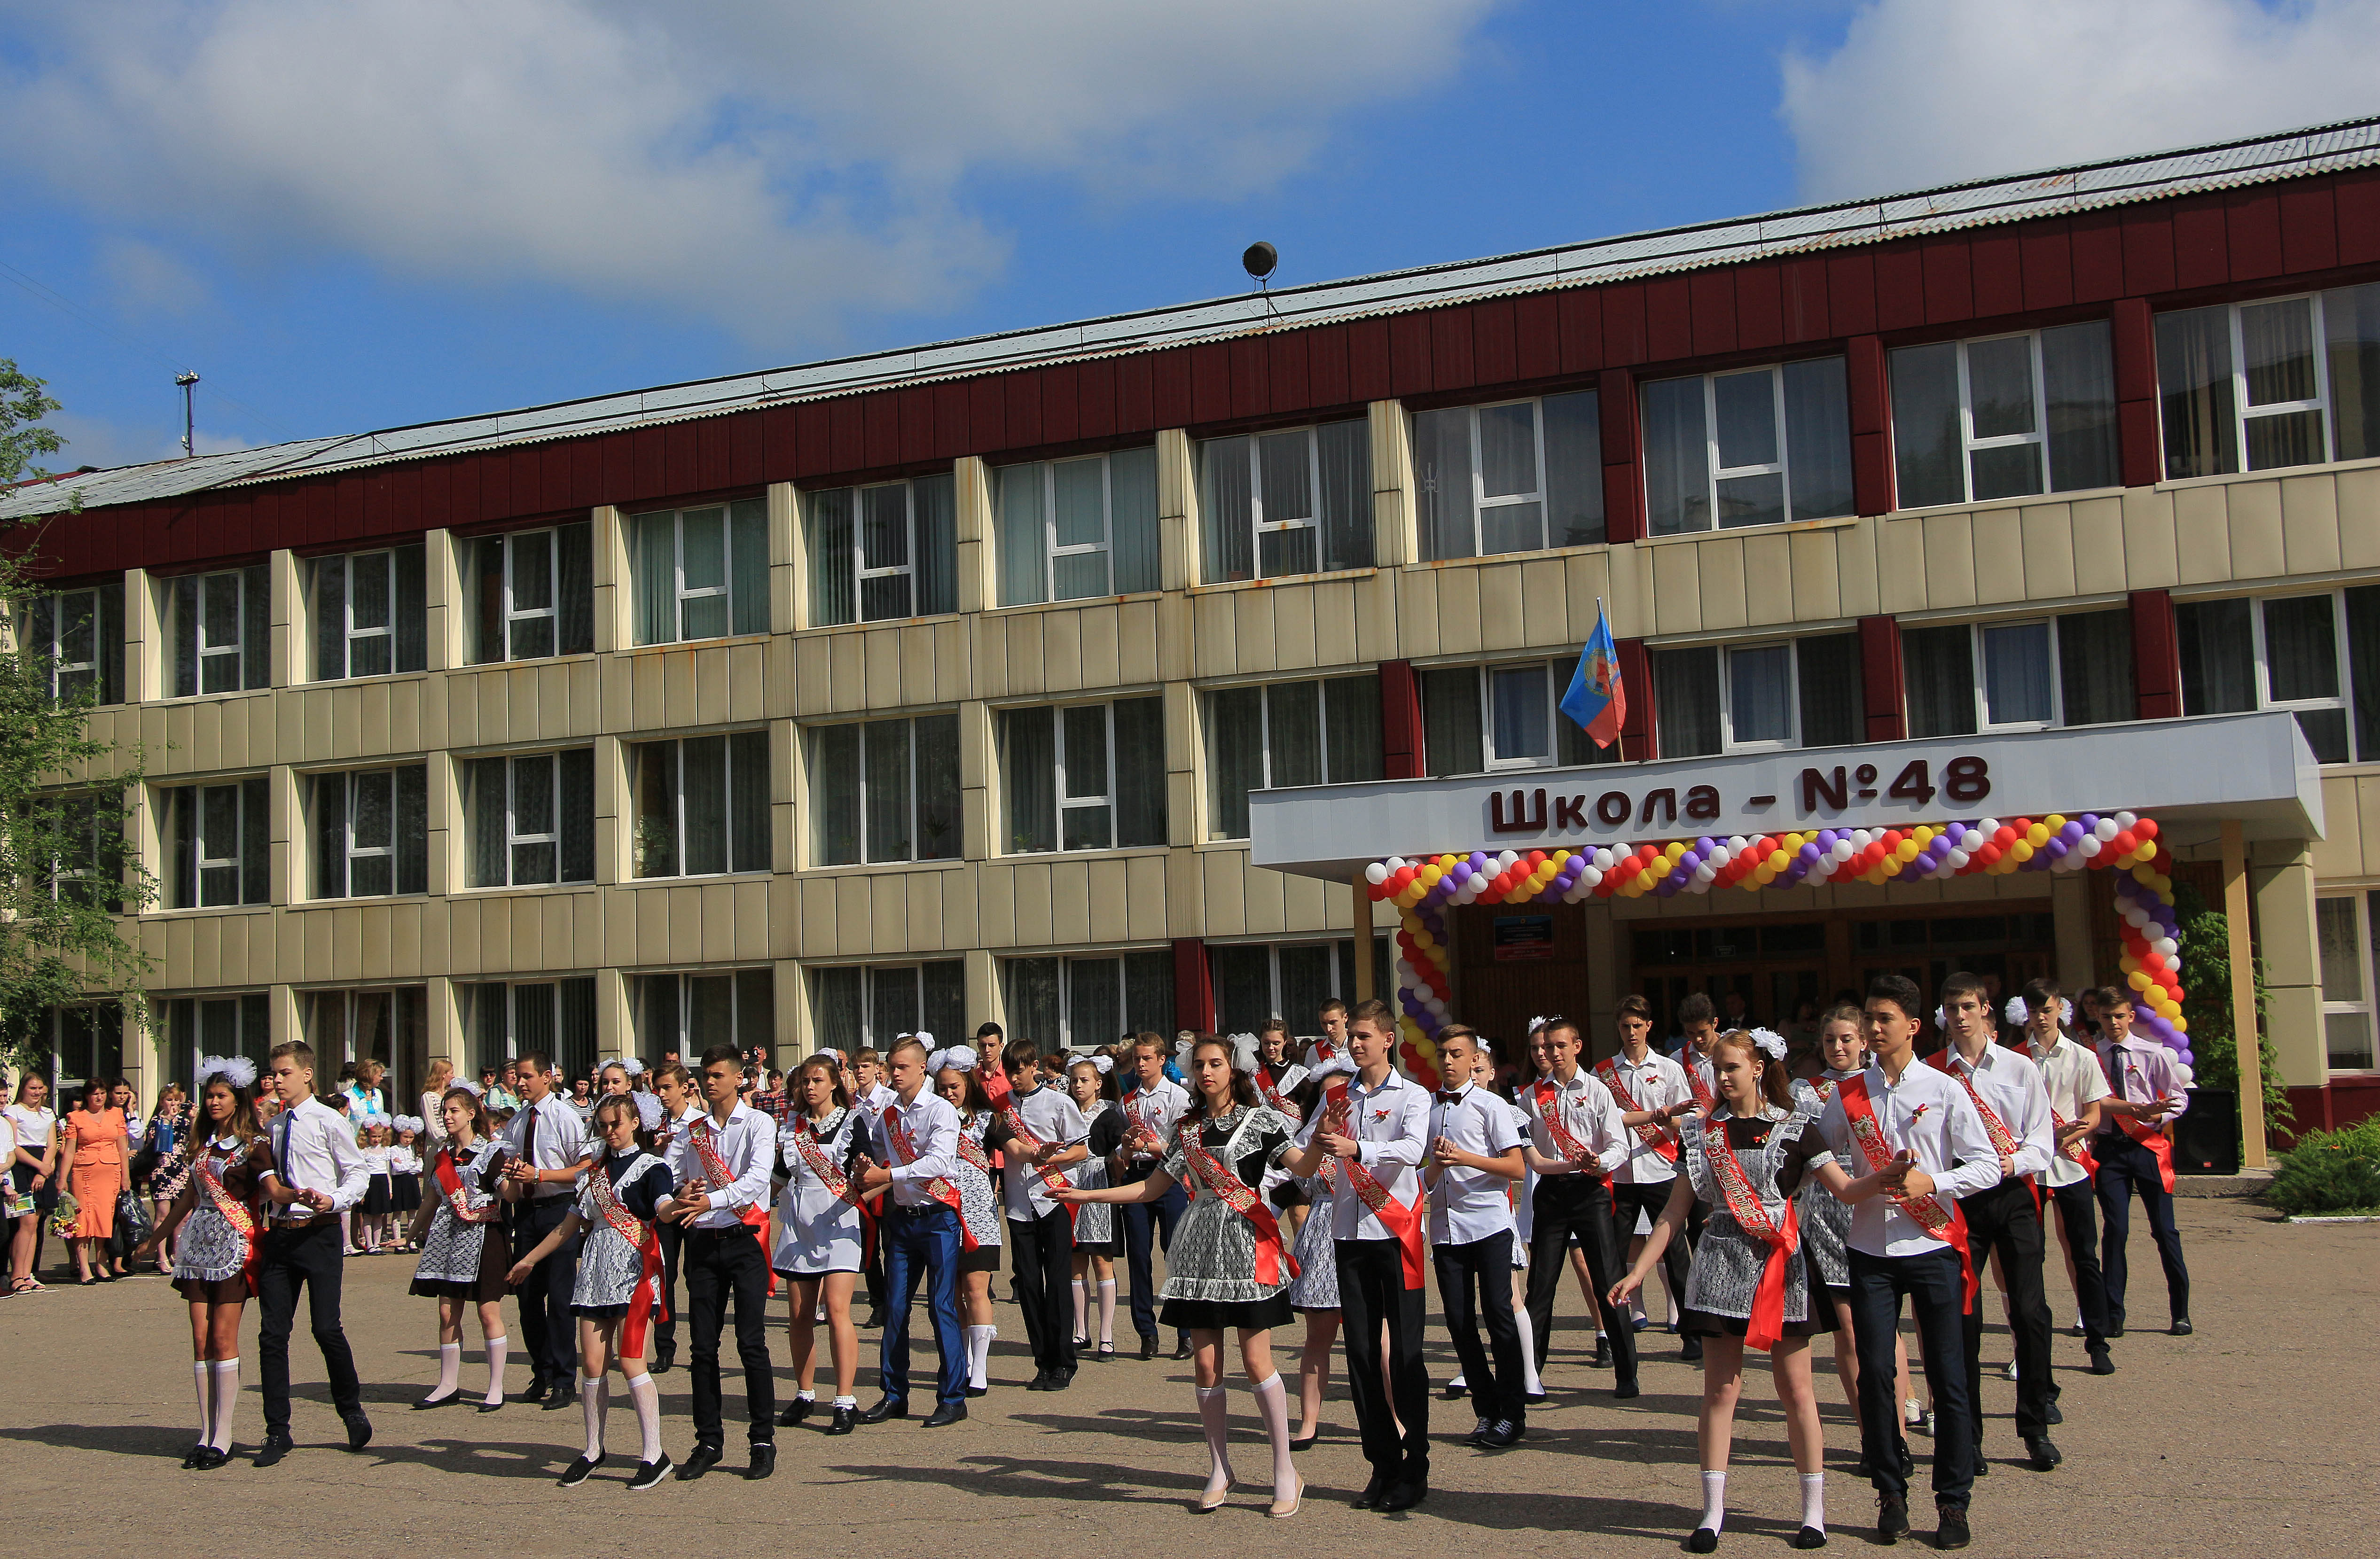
x=133, y=1217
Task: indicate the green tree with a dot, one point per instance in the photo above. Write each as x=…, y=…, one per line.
x=2206, y=955
x=68, y=872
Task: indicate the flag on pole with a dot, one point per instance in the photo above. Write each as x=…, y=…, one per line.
x=1596, y=699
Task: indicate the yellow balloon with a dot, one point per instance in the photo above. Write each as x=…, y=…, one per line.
x=2054, y=822
x=2019, y=850
x=1778, y=861
x=2138, y=979
x=2181, y=1025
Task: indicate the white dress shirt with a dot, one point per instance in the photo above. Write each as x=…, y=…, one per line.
x=873, y=1102
x=548, y=1135
x=1589, y=1113
x=2010, y=1084
x=1471, y=1205
x=2071, y=1076
x=314, y=1149
x=922, y=1137
x=1656, y=1082
x=748, y=1144
x=1053, y=1118
x=1390, y=1125
x=1157, y=1110
x=1932, y=1117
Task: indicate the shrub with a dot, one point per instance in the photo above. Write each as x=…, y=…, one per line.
x=2330, y=1171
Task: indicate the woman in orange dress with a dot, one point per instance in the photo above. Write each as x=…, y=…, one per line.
x=100, y=1157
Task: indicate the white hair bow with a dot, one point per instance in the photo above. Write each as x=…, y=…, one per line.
x=922, y=1037
x=1535, y=1024
x=236, y=1071
x=648, y=1111
x=1105, y=1062
x=633, y=1067
x=2017, y=1012
x=1770, y=1041
x=467, y=1086
x=1940, y=1021
x=1243, y=1051
x=958, y=1057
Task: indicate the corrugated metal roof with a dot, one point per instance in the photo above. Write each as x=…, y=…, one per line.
x=2053, y=192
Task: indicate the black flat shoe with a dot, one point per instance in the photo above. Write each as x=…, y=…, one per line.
x=704, y=1458
x=1405, y=1496
x=648, y=1473
x=209, y=1459
x=2101, y=1364
x=978, y=1391
x=1106, y=1355
x=2181, y=1327
x=795, y=1411
x=2054, y=1417
x=536, y=1393
x=2045, y=1456
x=948, y=1413
x=1809, y=1537
x=1703, y=1541
x=491, y=1406
x=1148, y=1348
x=276, y=1445
x=890, y=1408
x=360, y=1432
x=1302, y=1444
x=845, y=1420
x=191, y=1458
x=425, y=1403
x=1369, y=1497
x=1182, y=1350
x=577, y=1472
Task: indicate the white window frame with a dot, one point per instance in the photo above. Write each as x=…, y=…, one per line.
x=201, y=863
x=678, y=1041
x=916, y=833
x=51, y=1024
x=676, y=744
x=387, y=631
x=1067, y=1021
x=1272, y=973
x=1728, y=740
x=551, y=538
x=1058, y=758
x=350, y=851
x=870, y=975
x=1321, y=721
x=513, y=838
x=2241, y=414
x=54, y=651
x=2339, y=700
x=1259, y=525
x=1493, y=763
x=1781, y=467
x=1969, y=443
x=237, y=650
x=1480, y=499
x=61, y=873
x=860, y=572
x=724, y=591
x=1051, y=551
x=2359, y=899
x=1977, y=659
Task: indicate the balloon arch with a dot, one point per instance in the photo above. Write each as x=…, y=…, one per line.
x=1424, y=887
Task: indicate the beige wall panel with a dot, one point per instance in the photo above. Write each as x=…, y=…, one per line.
x=233, y=935
x=1294, y=642
x=1062, y=651
x=2359, y=517
x=782, y=897
x=1417, y=611
x=1252, y=628
x=1186, y=808
x=2098, y=546
x=556, y=709
x=181, y=737
x=1503, y=622
x=1030, y=882
x=373, y=926
x=1027, y=661
x=1950, y=560
x=1458, y=610
x=813, y=674
x=405, y=716
x=715, y=698
x=2285, y=940
x=988, y=657
x=1223, y=892
x=888, y=911
x=1177, y=563
x=2202, y=533
x=846, y=672
x=347, y=943
x=818, y=939
x=882, y=653
x=961, y=896
x=1585, y=577
x=2310, y=523
x=924, y=891
x=748, y=682
x=719, y=922
x=206, y=737
x=1902, y=554
x=438, y=935
x=1858, y=592
x=1544, y=605
x=350, y=732
x=2366, y=825
x=651, y=907
x=1186, y=893
x=685, y=906
x=1071, y=919
x=1144, y=905
x=1376, y=616
x=1998, y=541
x=1393, y=541
x=1214, y=623
x=404, y=937
x=1767, y=579
x=953, y=661
x=585, y=926
x=996, y=905
x=2341, y=853
x=1262, y=891
x=1306, y=903
x=502, y=946
x=1721, y=563
x=2254, y=511
x=1102, y=654
x=318, y=949
x=1141, y=628
x=1675, y=606
x=682, y=690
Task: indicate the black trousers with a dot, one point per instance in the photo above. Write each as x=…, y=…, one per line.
x=1649, y=1199
x=2004, y=1220
x=307, y=1256
x=1577, y=1204
x=721, y=1262
x=2125, y=1166
x=1936, y=1295
x=1142, y=1222
x=1496, y=1392
x=2077, y=1215
x=672, y=1238
x=546, y=1324
x=1043, y=1257
x=1372, y=1293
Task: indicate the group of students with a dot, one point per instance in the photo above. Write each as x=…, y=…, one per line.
x=1780, y=1208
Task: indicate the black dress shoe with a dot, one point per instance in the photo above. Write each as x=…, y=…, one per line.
x=1501, y=1435
x=1405, y=1496
x=1040, y=1381
x=1181, y=1347
x=358, y=1430
x=191, y=1458
x=276, y=1445
x=948, y=1413
x=558, y=1396
x=845, y=1420
x=889, y=1407
x=1602, y=1359
x=1691, y=1351
x=2181, y=1327
x=1371, y=1496
x=1950, y=1532
x=1809, y=1537
x=764, y=1462
x=2115, y=1329
x=1300, y=1444
x=1148, y=1348
x=1533, y=1397
x=426, y=1403
x=1106, y=1355
x=1891, y=1518
x=1983, y=1464
x=535, y=1392
x=875, y=1322
x=795, y=1411
x=491, y=1406
x=1622, y=1391
x=704, y=1458
x=2055, y=1415
x=2044, y=1455
x=577, y=1472
x=1861, y=1469
x=978, y=1391
x=2101, y=1363
x=664, y=1359
x=209, y=1459
x=1703, y=1541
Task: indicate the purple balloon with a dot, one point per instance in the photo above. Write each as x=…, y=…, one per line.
x=1804, y=856
x=2185, y=1058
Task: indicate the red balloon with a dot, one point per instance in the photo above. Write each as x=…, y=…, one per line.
x=2146, y=828
x=1535, y=858
x=1985, y=855
x=2124, y=844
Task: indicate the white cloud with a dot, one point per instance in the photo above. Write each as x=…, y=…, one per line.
x=771, y=167
x=1923, y=92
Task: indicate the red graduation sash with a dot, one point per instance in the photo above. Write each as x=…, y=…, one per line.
x=1012, y=1119
x=1219, y=1177
x=458, y=1201
x=1650, y=1134
x=1550, y=1110
x=645, y=1238
x=237, y=1213
x=939, y=1187
x=703, y=1133
x=1703, y=1097
x=1945, y=1224
x=2152, y=1138
x=1767, y=1325
x=1402, y=1221
x=1268, y=1086
x=2079, y=1153
x=2003, y=1139
x=806, y=1143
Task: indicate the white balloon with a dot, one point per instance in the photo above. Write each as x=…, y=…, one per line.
x=1375, y=874
x=1601, y=860
x=1956, y=859
x=2125, y=820
x=2107, y=828
x=2086, y=847
x=2167, y=945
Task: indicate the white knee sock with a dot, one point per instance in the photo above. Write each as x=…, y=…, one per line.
x=450, y=1369
x=203, y=1371
x=496, y=1350
x=648, y=1398
x=1215, y=1416
x=1272, y=1405
x=1813, y=1500
x=1082, y=1305
x=1107, y=1312
x=590, y=1402
x=1714, y=1499
x=979, y=1354
x=1530, y=1384
x=227, y=1396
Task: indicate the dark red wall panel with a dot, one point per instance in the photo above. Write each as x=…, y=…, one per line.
x=1452, y=350
x=1369, y=373
x=1668, y=320
x=1623, y=325
x=1536, y=336
x=1251, y=395
x=1638, y=725
x=2044, y=263
x=1581, y=313
x=2309, y=227
x=1401, y=726
x=1949, y=280
x=1286, y=364
x=1887, y=719
x=1623, y=479
x=1061, y=418
x=2156, y=661
x=1759, y=307
x=1495, y=342
x=1711, y=297
x=2251, y=232
x=2200, y=255
x=1871, y=420
x=1996, y=272
x=2096, y=239
x=1409, y=355
x=2134, y=340
x=2148, y=251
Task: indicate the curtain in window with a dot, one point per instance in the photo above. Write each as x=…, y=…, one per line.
x=652, y=780
x=410, y=617
x=181, y=599
x=1235, y=757
x=1685, y=701
x=1522, y=713
x=1243, y=977
x=1926, y=437
x=2301, y=662
x=1227, y=510
x=756, y=1008
x=111, y=643
x=1148, y=992
x=941, y=1002
x=2363, y=667
x=934, y=500
x=833, y=580
x=1351, y=728
x=1574, y=435
x=534, y=1013
x=747, y=801
x=703, y=565
x=1294, y=727
x=329, y=590
x=1760, y=693
x=1094, y=1000
x=747, y=559
x=1023, y=534
x=578, y=814
x=653, y=541
x=1442, y=485
x=2219, y=664
x=703, y=786
x=330, y=836
x=1345, y=450
x=2016, y=673
x=254, y=846
x=371, y=604
x=574, y=600
x=709, y=1012
x=886, y=745
x=2094, y=667
x=1131, y=497
x=1083, y=754
x=256, y=626
x=1029, y=759
x=1819, y=438
x=1676, y=456
x=1833, y=690
x=1307, y=971
x=835, y=1008
x=2351, y=319
x=372, y=822
x=574, y=1036
x=936, y=741
x=532, y=820
x=1138, y=788
x=1450, y=726
x=892, y=1004
x=2193, y=350
x=834, y=796
x=1032, y=998
x=483, y=796
x=1078, y=510
x=1508, y=468
x=482, y=565
x=1938, y=668
x=2077, y=373
x=884, y=543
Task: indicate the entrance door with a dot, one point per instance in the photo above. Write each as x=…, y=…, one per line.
x=2005, y=948
x=1516, y=962
x=1757, y=974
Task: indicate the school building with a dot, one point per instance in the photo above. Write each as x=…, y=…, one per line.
x=917, y=688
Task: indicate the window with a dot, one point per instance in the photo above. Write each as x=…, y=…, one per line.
x=881, y=553
x=1073, y=529
x=1288, y=733
x=85, y=1042
x=505, y=1021
x=389, y=1026
x=1481, y=717
x=2075, y=669
x=692, y=1011
x=2003, y=418
x=1516, y=478
x=80, y=633
x=885, y=791
x=534, y=594
x=2343, y=931
x=700, y=574
x=233, y=1024
x=221, y=845
x=855, y=1007
x=372, y=832
x=1096, y=1000
x=2283, y=381
x=1085, y=776
x=221, y=628
x=1288, y=980
x=532, y=819
x=370, y=614
x=81, y=834
x=702, y=804
x=1733, y=699
x=1754, y=448
x=2289, y=652
x=1293, y=502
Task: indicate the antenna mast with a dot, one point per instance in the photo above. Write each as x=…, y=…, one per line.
x=188, y=382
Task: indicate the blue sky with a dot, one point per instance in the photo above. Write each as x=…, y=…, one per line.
x=376, y=213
